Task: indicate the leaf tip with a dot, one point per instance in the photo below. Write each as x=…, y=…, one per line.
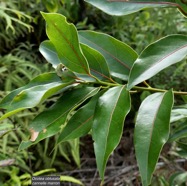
x=43, y=13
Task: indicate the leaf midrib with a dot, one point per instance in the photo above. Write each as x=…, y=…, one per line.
x=77, y=128
x=165, y=57
x=110, y=122
x=115, y=58
x=144, y=2
x=78, y=102
x=71, y=46
x=153, y=124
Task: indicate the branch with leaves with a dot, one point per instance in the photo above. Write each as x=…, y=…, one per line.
x=94, y=77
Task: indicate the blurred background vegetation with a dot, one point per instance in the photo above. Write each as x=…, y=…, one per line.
x=22, y=29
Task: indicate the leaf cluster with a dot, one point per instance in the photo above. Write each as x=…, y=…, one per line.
x=95, y=75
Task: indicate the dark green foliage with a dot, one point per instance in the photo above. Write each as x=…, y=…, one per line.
x=92, y=83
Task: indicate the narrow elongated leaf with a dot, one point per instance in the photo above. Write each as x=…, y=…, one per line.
x=48, y=123
x=65, y=39
x=42, y=79
x=51, y=130
x=152, y=132
x=49, y=52
x=119, y=56
x=80, y=123
x=110, y=113
x=62, y=107
x=156, y=57
x=124, y=7
x=32, y=96
x=97, y=63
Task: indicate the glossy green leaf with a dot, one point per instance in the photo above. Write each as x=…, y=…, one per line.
x=111, y=110
x=158, y=56
x=49, y=52
x=42, y=79
x=51, y=130
x=119, y=56
x=152, y=132
x=33, y=93
x=97, y=63
x=62, y=107
x=85, y=77
x=64, y=37
x=80, y=123
x=49, y=122
x=125, y=7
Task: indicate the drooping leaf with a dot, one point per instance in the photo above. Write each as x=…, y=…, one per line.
x=42, y=79
x=32, y=94
x=49, y=52
x=97, y=63
x=156, y=57
x=119, y=56
x=62, y=107
x=125, y=7
x=64, y=37
x=51, y=130
x=80, y=123
x=152, y=132
x=49, y=122
x=111, y=110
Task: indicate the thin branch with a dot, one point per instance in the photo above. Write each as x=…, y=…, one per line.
x=157, y=90
x=147, y=84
